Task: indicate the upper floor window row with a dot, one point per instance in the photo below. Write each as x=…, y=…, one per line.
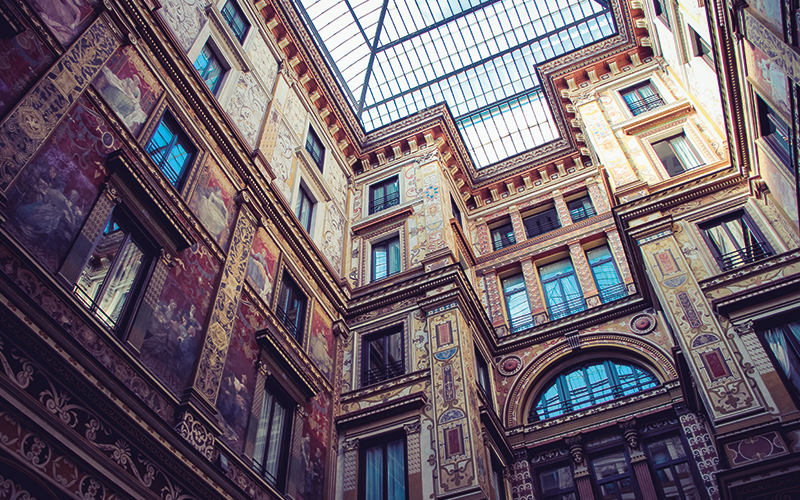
x=235, y=18
x=384, y=194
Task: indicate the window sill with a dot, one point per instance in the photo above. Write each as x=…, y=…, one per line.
x=639, y=123
x=369, y=222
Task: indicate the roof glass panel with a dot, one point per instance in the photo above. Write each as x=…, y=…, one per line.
x=394, y=58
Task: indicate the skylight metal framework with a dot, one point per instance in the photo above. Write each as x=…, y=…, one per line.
x=394, y=58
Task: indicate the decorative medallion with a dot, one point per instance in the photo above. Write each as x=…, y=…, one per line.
x=643, y=324
x=510, y=365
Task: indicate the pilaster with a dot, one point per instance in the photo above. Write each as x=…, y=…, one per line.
x=638, y=460
x=495, y=300
x=564, y=216
x=350, y=472
x=615, y=244
x=516, y=222
x=581, y=472
x=598, y=197
x=584, y=273
x=703, y=450
x=534, y=294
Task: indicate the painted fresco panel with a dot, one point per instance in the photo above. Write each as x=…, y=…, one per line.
x=23, y=59
x=185, y=18
x=294, y=113
x=175, y=333
x=320, y=344
x=770, y=11
x=283, y=160
x=129, y=88
x=313, y=450
x=334, y=237
x=261, y=265
x=247, y=108
x=239, y=376
x=65, y=18
x=769, y=77
x=264, y=62
x=336, y=180
x=213, y=202
x=50, y=200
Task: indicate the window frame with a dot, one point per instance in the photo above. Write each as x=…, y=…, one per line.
x=630, y=475
x=381, y=441
x=794, y=351
x=573, y=305
x=764, y=250
x=700, y=48
x=168, y=119
x=661, y=11
x=389, y=370
x=774, y=131
x=643, y=103
x=543, y=221
x=582, y=212
x=241, y=37
x=527, y=318
x=502, y=235
x=386, y=243
x=203, y=72
x=315, y=147
x=280, y=395
x=387, y=200
x=305, y=200
x=290, y=290
x=621, y=289
x=688, y=459
x=678, y=156
x=556, y=494
x=456, y=211
x=483, y=376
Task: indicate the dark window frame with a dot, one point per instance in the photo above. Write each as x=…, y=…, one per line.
x=775, y=132
x=667, y=160
x=388, y=369
x=619, y=289
x=315, y=148
x=305, y=208
x=581, y=208
x=160, y=154
x=743, y=255
x=381, y=441
x=792, y=350
x=688, y=459
x=541, y=222
x=661, y=11
x=700, y=48
x=280, y=396
x=204, y=71
x=230, y=12
x=483, y=376
x=630, y=475
x=502, y=235
x=292, y=302
x=524, y=320
x=385, y=200
x=498, y=478
x=639, y=100
x=568, y=306
x=555, y=494
x=456, y=211
x=392, y=267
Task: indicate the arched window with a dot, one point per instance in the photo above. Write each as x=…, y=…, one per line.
x=587, y=385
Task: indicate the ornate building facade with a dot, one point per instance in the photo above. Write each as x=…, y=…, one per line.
x=225, y=275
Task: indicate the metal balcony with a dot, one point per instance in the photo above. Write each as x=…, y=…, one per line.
x=566, y=308
x=582, y=213
x=290, y=322
x=612, y=293
x=385, y=372
x=384, y=202
x=644, y=104
x=520, y=324
x=745, y=255
x=503, y=241
x=532, y=230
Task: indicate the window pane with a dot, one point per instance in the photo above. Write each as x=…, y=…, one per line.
x=666, y=450
x=666, y=154
x=394, y=256
x=782, y=347
x=374, y=473
x=610, y=465
x=685, y=152
x=170, y=150
x=686, y=479
x=395, y=470
x=120, y=283
x=263, y=427
x=272, y=458
x=379, y=261
x=556, y=480
x=209, y=67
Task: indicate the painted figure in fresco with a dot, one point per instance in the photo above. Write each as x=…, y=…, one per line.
x=234, y=401
x=320, y=351
x=173, y=337
x=62, y=16
x=212, y=210
x=124, y=96
x=47, y=213
x=257, y=273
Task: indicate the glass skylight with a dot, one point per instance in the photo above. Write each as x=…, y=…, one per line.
x=396, y=57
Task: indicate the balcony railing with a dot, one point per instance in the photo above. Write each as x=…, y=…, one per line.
x=290, y=322
x=499, y=242
x=523, y=323
x=267, y=475
x=643, y=104
x=532, y=230
x=385, y=372
x=590, y=396
x=378, y=204
x=581, y=213
x=566, y=308
x=614, y=292
x=744, y=255
x=95, y=308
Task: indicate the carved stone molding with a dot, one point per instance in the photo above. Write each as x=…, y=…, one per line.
x=196, y=434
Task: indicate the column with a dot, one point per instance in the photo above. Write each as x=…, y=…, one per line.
x=564, y=216
x=27, y=127
x=516, y=222
x=638, y=460
x=484, y=238
x=534, y=295
x=414, y=460
x=702, y=449
x=598, y=196
x=496, y=303
x=584, y=274
x=581, y=473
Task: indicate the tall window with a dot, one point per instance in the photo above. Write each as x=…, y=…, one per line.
x=517, y=305
x=677, y=155
x=114, y=270
x=558, y=484
x=589, y=385
x=315, y=148
x=385, y=258
x=456, y=211
x=608, y=281
x=700, y=48
x=384, y=194
x=641, y=98
x=774, y=131
x=305, y=208
x=271, y=453
x=735, y=241
x=613, y=475
x=661, y=12
x=673, y=473
x=581, y=209
x=234, y=16
x=484, y=380
x=171, y=150
x=498, y=483
x=292, y=307
x=383, y=356
x=561, y=289
x=541, y=223
x=503, y=236
x=784, y=345
x=209, y=67
x=383, y=471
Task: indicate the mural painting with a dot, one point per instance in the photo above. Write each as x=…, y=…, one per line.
x=769, y=78
x=247, y=108
x=175, y=333
x=50, y=200
x=334, y=237
x=313, y=451
x=213, y=202
x=23, y=59
x=238, y=379
x=185, y=17
x=261, y=265
x=320, y=345
x=129, y=88
x=65, y=18
x=283, y=160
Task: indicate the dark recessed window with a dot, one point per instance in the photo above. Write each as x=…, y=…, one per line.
x=661, y=12
x=305, y=209
x=234, y=16
x=171, y=150
x=385, y=258
x=558, y=483
x=774, y=131
x=382, y=474
x=581, y=209
x=484, y=380
x=115, y=271
x=271, y=453
x=456, y=211
x=517, y=306
x=384, y=194
x=612, y=473
x=498, y=483
x=605, y=273
x=700, y=47
x=562, y=292
x=588, y=385
x=503, y=236
x=642, y=97
x=783, y=343
x=382, y=357
x=292, y=307
x=673, y=473
x=735, y=241
x=677, y=155
x=315, y=148
x=209, y=67
x=541, y=223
